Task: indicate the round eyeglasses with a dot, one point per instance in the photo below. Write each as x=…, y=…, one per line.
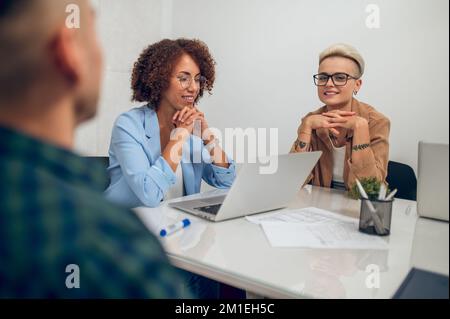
x=186, y=81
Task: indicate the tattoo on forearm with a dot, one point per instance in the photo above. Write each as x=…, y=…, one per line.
x=300, y=144
x=359, y=147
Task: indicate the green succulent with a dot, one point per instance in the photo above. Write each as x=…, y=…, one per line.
x=371, y=186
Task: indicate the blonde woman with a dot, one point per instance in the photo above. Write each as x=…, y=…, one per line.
x=353, y=136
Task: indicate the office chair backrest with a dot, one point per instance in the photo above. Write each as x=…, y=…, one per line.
x=402, y=177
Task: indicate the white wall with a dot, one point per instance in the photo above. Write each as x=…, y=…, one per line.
x=125, y=28
x=267, y=52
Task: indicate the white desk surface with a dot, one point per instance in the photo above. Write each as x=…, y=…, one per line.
x=238, y=253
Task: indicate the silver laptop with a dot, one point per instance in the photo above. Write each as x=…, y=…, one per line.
x=432, y=181
x=253, y=192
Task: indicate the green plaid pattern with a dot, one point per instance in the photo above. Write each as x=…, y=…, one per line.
x=53, y=214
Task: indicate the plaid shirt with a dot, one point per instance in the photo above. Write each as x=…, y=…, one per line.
x=53, y=215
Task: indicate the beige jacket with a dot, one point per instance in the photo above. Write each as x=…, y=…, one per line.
x=374, y=164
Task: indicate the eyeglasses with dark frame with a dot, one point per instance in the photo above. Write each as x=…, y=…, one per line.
x=338, y=79
x=186, y=80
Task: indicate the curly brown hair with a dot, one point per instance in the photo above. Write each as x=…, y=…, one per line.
x=152, y=71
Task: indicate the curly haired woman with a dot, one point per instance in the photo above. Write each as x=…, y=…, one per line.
x=164, y=148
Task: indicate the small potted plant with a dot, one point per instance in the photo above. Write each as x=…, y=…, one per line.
x=371, y=186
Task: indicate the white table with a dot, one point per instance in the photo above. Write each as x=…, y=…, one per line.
x=237, y=252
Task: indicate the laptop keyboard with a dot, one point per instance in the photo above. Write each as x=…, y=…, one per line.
x=211, y=209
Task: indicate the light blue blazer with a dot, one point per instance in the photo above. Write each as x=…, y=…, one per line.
x=140, y=176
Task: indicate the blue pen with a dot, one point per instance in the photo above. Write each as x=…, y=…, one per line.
x=174, y=227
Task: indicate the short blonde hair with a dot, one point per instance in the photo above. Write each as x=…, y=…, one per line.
x=345, y=51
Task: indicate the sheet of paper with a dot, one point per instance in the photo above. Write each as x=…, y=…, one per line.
x=334, y=235
x=309, y=215
x=312, y=227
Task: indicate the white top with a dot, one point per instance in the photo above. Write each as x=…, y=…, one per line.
x=233, y=251
x=338, y=160
x=176, y=190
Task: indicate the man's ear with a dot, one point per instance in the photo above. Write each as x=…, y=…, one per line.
x=66, y=54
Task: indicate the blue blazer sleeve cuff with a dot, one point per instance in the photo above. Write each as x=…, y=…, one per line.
x=222, y=177
x=218, y=170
